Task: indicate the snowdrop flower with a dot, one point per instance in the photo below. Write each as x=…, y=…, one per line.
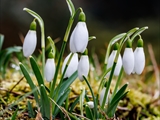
x=50, y=68
x=90, y=104
x=101, y=96
x=83, y=67
x=111, y=61
x=139, y=58
x=79, y=36
x=128, y=58
x=30, y=41
x=72, y=67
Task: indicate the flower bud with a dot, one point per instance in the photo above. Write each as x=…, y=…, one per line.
x=128, y=58
x=111, y=61
x=79, y=38
x=90, y=104
x=83, y=67
x=49, y=69
x=139, y=59
x=30, y=41
x=101, y=96
x=72, y=67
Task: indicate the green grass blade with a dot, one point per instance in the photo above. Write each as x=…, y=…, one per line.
x=36, y=71
x=14, y=115
x=30, y=110
x=29, y=80
x=74, y=104
x=61, y=100
x=89, y=113
x=45, y=102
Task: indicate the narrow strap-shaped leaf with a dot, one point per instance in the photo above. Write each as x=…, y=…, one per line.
x=29, y=80
x=89, y=113
x=45, y=102
x=61, y=100
x=66, y=84
x=14, y=115
x=30, y=110
x=74, y=104
x=36, y=71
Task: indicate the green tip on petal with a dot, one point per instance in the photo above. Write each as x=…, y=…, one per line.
x=116, y=46
x=82, y=17
x=33, y=25
x=129, y=44
x=50, y=55
x=140, y=43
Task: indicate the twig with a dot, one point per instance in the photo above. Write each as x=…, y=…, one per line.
x=80, y=116
x=155, y=66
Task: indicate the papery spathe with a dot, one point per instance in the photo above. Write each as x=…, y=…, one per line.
x=79, y=38
x=30, y=43
x=139, y=59
x=101, y=96
x=111, y=61
x=83, y=67
x=128, y=60
x=49, y=69
x=72, y=67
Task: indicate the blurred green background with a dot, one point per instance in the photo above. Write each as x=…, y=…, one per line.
x=105, y=19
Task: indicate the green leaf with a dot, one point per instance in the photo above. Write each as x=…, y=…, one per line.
x=66, y=84
x=74, y=104
x=30, y=82
x=1, y=41
x=61, y=100
x=71, y=7
x=30, y=110
x=14, y=115
x=36, y=71
x=89, y=113
x=45, y=102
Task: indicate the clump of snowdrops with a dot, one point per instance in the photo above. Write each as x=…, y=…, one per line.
x=50, y=99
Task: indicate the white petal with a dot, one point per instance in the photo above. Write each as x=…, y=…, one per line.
x=83, y=67
x=49, y=70
x=128, y=60
x=101, y=96
x=139, y=58
x=30, y=42
x=72, y=67
x=111, y=61
x=79, y=38
x=71, y=43
x=90, y=104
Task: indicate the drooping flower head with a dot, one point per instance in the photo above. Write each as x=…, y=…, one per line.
x=79, y=37
x=50, y=68
x=83, y=67
x=128, y=58
x=111, y=61
x=72, y=67
x=30, y=40
x=139, y=57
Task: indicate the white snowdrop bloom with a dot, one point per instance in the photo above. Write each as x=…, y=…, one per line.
x=128, y=60
x=111, y=61
x=83, y=67
x=139, y=59
x=30, y=43
x=101, y=96
x=72, y=67
x=90, y=104
x=49, y=69
x=79, y=38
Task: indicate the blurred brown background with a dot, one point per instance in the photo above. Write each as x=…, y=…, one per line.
x=105, y=19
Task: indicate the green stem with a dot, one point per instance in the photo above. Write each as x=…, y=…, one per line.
x=60, y=56
x=94, y=100
x=118, y=82
x=41, y=23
